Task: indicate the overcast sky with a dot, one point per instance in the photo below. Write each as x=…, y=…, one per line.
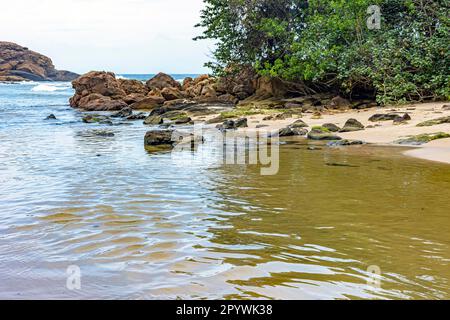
x=124, y=36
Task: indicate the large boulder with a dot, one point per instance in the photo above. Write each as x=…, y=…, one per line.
x=161, y=81
x=170, y=94
x=98, y=91
x=133, y=86
x=18, y=63
x=148, y=103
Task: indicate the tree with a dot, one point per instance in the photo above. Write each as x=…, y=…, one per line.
x=328, y=44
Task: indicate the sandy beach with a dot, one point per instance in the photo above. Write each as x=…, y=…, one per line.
x=382, y=133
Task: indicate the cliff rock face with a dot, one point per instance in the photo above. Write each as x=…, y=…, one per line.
x=18, y=63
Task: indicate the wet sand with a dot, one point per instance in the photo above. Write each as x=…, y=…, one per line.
x=385, y=132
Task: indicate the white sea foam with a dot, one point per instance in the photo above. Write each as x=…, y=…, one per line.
x=121, y=77
x=50, y=87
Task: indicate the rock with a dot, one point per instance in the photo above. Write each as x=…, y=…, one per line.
x=422, y=138
x=137, y=116
x=434, y=122
x=133, y=87
x=18, y=63
x=133, y=98
x=241, y=123
x=446, y=107
x=95, y=102
x=159, y=138
x=161, y=81
x=345, y=142
x=331, y=127
x=227, y=125
x=289, y=132
x=95, y=118
x=98, y=91
x=187, y=82
x=402, y=119
x=352, y=125
x=102, y=133
x=383, y=117
x=50, y=117
x=339, y=103
x=183, y=120
x=172, y=94
x=153, y=120
x=124, y=113
x=227, y=98
x=148, y=103
x=299, y=124
x=293, y=105
x=260, y=126
x=320, y=133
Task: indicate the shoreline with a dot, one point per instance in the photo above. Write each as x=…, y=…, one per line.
x=383, y=134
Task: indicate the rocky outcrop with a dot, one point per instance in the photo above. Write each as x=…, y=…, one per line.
x=18, y=63
x=243, y=87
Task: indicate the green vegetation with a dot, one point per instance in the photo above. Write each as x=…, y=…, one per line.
x=244, y=112
x=328, y=45
x=321, y=129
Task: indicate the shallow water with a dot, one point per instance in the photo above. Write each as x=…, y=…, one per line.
x=151, y=226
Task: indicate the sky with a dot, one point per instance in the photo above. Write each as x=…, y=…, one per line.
x=123, y=36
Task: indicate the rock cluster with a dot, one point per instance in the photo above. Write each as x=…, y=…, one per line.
x=18, y=63
x=102, y=91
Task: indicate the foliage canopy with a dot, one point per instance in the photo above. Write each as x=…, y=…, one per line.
x=328, y=43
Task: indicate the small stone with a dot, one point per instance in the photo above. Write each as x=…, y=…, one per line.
x=51, y=117
x=345, y=142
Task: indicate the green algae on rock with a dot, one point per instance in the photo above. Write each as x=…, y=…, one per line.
x=434, y=122
x=423, y=138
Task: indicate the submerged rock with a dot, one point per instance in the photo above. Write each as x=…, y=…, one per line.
x=96, y=118
x=345, y=142
x=446, y=107
x=50, y=117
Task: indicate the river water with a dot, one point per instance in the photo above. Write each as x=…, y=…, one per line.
x=147, y=226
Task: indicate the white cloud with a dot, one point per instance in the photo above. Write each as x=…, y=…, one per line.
x=124, y=36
